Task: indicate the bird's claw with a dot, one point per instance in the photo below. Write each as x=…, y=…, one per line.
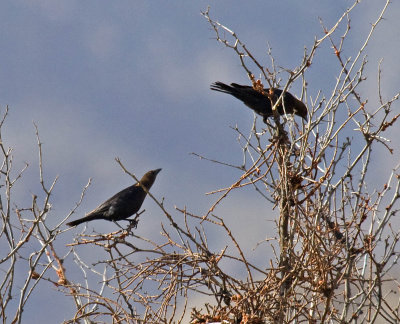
x=133, y=223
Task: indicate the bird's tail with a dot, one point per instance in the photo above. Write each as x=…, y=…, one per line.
x=247, y=94
x=222, y=87
x=84, y=219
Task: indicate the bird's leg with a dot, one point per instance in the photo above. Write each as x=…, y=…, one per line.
x=115, y=222
x=134, y=222
x=268, y=123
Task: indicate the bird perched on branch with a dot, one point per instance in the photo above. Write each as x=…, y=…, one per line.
x=260, y=103
x=123, y=204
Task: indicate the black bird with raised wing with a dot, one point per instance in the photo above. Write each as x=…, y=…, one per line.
x=123, y=204
x=260, y=103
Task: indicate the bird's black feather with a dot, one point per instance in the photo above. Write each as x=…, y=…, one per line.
x=260, y=103
x=123, y=204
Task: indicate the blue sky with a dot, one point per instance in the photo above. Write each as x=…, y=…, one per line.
x=131, y=79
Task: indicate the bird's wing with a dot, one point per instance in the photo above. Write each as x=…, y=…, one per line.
x=111, y=205
x=123, y=204
x=250, y=97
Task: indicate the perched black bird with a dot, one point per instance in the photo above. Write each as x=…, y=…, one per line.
x=260, y=103
x=123, y=204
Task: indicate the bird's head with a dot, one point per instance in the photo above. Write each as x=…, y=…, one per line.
x=300, y=109
x=149, y=178
x=154, y=172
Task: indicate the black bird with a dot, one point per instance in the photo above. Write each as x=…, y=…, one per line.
x=260, y=103
x=123, y=204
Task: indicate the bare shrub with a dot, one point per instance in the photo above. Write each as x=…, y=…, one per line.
x=335, y=249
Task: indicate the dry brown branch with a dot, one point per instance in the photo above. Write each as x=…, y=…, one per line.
x=335, y=251
x=335, y=248
x=25, y=236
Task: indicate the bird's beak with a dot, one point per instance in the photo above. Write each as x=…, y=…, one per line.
x=156, y=171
